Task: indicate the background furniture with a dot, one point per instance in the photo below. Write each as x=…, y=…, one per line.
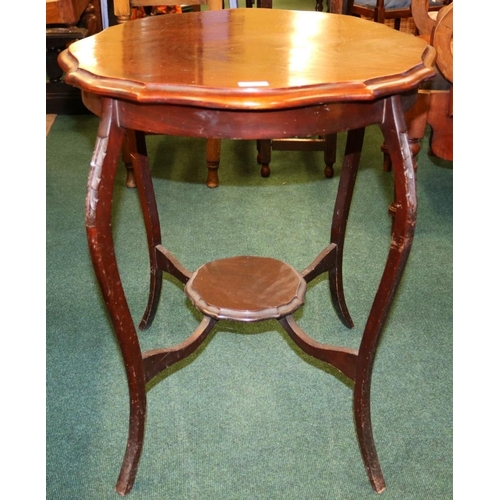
x=123, y=13
x=66, y=21
x=326, y=143
x=434, y=105
x=380, y=10
x=192, y=96
x=266, y=4
x=435, y=99
x=123, y=8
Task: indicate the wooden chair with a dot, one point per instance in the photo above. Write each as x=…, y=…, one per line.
x=123, y=11
x=434, y=105
x=266, y=4
x=380, y=10
x=435, y=100
x=326, y=143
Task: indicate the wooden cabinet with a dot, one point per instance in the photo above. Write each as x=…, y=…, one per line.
x=66, y=21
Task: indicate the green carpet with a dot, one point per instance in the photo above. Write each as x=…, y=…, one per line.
x=249, y=416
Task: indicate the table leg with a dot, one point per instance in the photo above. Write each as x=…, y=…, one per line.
x=356, y=365
x=138, y=153
x=396, y=138
x=100, y=239
x=339, y=222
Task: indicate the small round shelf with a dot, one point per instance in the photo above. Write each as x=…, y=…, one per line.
x=246, y=289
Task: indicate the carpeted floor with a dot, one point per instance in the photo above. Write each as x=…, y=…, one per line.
x=249, y=416
x=50, y=119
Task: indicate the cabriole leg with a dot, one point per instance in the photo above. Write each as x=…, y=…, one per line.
x=396, y=138
x=100, y=239
x=139, y=157
x=341, y=214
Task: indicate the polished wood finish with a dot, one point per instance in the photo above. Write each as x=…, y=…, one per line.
x=327, y=143
x=226, y=87
x=123, y=13
x=247, y=77
x=246, y=289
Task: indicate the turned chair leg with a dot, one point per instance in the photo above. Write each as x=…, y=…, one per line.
x=327, y=143
x=264, y=156
x=127, y=161
x=213, y=161
x=330, y=154
x=212, y=158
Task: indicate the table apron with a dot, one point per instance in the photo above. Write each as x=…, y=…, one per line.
x=189, y=121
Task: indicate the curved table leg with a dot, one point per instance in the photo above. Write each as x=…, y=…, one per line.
x=339, y=222
x=138, y=153
x=396, y=138
x=100, y=239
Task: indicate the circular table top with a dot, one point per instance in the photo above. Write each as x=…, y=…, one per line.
x=248, y=59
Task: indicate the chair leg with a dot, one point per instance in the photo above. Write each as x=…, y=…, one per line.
x=264, y=147
x=264, y=156
x=127, y=161
x=213, y=161
x=330, y=154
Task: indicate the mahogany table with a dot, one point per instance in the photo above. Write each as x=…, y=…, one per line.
x=247, y=74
